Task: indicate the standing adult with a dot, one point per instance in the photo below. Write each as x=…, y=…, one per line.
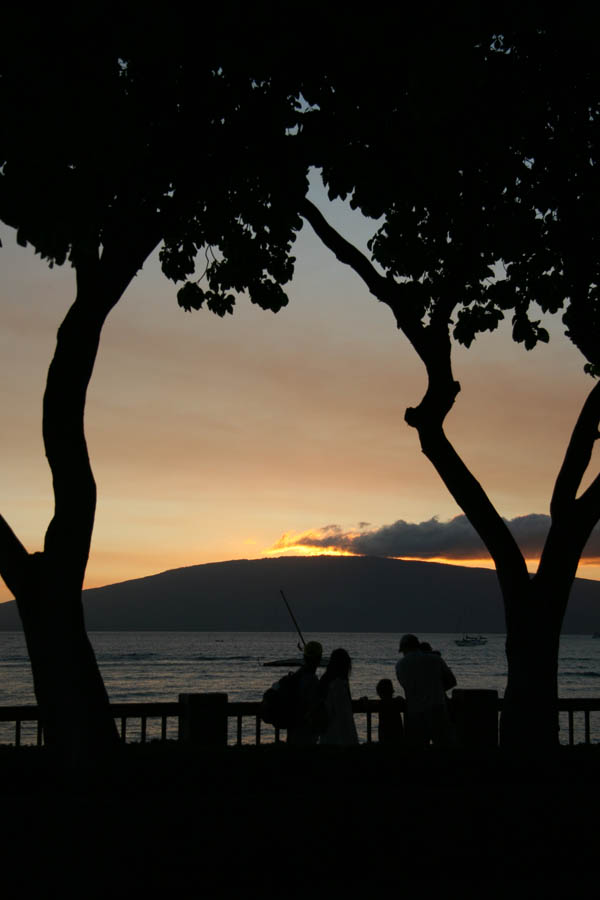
x=335, y=692
x=301, y=731
x=425, y=678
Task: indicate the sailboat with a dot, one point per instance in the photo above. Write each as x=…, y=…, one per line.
x=468, y=640
x=471, y=640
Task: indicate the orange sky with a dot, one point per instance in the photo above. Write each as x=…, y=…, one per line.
x=210, y=438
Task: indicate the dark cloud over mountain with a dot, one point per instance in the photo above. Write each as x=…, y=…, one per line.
x=456, y=539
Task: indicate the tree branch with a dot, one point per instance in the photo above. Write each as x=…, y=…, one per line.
x=578, y=456
x=572, y=518
x=348, y=254
x=13, y=558
x=589, y=502
x=383, y=288
x=476, y=505
x=432, y=343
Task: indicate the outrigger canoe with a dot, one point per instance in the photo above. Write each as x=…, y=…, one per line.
x=293, y=663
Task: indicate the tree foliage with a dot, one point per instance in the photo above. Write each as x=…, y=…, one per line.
x=116, y=123
x=480, y=152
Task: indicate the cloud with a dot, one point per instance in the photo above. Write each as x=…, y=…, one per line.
x=452, y=540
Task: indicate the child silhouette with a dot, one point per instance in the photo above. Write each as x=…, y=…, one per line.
x=391, y=729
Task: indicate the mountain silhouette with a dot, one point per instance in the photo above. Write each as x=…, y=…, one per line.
x=327, y=593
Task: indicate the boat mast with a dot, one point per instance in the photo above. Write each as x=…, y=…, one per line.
x=289, y=608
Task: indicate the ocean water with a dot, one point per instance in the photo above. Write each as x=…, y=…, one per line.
x=157, y=666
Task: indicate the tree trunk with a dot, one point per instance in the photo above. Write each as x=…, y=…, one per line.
x=534, y=607
x=529, y=720
x=72, y=700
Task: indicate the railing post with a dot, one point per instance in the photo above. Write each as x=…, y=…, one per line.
x=475, y=716
x=203, y=719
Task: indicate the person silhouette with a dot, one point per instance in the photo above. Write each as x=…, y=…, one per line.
x=390, y=728
x=425, y=678
x=335, y=691
x=301, y=731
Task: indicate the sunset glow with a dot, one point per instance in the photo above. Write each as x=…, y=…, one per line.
x=308, y=543
x=320, y=542
x=303, y=550
x=210, y=438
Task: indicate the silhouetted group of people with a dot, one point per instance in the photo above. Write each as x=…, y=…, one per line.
x=323, y=711
x=425, y=678
x=324, y=707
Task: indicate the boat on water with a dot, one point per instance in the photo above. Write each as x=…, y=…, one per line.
x=471, y=640
x=293, y=663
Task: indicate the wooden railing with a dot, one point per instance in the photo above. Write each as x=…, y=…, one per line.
x=122, y=712
x=18, y=715
x=244, y=722
x=574, y=705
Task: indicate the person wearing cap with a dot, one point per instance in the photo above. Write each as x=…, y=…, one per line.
x=301, y=731
x=425, y=678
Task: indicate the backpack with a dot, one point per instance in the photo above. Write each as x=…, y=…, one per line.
x=280, y=701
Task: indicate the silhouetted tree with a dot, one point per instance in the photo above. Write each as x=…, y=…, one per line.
x=124, y=128
x=480, y=148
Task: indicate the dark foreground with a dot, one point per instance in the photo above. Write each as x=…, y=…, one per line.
x=278, y=822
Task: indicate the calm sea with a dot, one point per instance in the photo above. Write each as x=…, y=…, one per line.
x=145, y=666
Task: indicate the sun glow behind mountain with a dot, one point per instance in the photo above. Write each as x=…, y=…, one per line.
x=323, y=542
x=299, y=545
x=312, y=543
